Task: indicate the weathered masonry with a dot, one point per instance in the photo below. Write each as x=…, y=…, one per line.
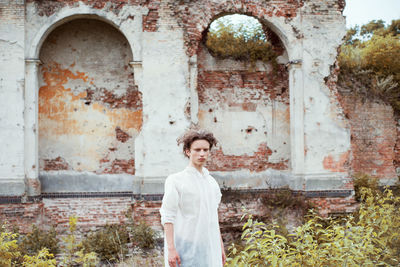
x=95, y=93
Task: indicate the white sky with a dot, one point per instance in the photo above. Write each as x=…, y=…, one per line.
x=362, y=11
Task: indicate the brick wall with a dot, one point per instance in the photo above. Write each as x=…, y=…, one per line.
x=93, y=212
x=247, y=108
x=196, y=16
x=374, y=137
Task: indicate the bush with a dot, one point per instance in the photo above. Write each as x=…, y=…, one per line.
x=360, y=181
x=247, y=43
x=72, y=252
x=370, y=238
x=42, y=259
x=109, y=242
x=143, y=236
x=369, y=66
x=8, y=246
x=38, y=239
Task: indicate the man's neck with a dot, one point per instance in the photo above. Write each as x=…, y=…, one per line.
x=197, y=167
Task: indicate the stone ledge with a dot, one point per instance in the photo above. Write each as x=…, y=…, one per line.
x=12, y=187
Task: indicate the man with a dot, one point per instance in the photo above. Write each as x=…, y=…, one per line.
x=189, y=210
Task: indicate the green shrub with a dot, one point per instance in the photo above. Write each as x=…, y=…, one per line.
x=109, y=242
x=247, y=43
x=8, y=246
x=72, y=252
x=370, y=240
x=361, y=180
x=38, y=239
x=143, y=236
x=42, y=259
x=285, y=198
x=369, y=66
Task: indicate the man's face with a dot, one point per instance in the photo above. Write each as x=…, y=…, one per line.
x=199, y=151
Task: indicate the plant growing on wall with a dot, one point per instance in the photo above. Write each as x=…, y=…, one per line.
x=242, y=41
x=369, y=62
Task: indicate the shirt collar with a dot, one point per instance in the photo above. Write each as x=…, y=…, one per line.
x=194, y=170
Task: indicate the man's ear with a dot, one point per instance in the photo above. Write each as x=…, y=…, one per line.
x=187, y=152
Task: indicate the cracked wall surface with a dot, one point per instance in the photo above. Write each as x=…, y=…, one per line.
x=90, y=110
x=12, y=96
x=248, y=109
x=121, y=80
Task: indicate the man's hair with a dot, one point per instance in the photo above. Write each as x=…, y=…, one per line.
x=196, y=134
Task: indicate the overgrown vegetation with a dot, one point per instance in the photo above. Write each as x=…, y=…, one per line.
x=369, y=62
x=38, y=239
x=245, y=42
x=143, y=236
x=371, y=238
x=285, y=198
x=109, y=244
x=8, y=246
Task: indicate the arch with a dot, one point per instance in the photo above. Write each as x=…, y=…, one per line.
x=277, y=17
x=130, y=29
x=258, y=100
x=292, y=42
x=275, y=27
x=66, y=16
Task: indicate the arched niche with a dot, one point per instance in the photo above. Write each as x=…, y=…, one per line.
x=246, y=104
x=290, y=160
x=87, y=107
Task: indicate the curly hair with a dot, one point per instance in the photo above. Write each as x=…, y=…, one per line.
x=196, y=134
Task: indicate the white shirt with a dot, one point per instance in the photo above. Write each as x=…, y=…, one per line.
x=190, y=203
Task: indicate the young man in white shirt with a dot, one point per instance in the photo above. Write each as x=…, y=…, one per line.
x=189, y=211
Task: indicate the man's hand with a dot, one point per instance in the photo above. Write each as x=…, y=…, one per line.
x=223, y=256
x=173, y=257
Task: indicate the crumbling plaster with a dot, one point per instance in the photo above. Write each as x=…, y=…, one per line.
x=12, y=95
x=165, y=67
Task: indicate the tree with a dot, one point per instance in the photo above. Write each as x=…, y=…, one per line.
x=369, y=62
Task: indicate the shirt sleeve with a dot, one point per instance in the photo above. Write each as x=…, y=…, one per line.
x=218, y=194
x=169, y=206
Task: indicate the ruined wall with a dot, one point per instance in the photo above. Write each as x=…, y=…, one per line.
x=129, y=132
x=248, y=110
x=374, y=138
x=90, y=110
x=12, y=171
x=54, y=211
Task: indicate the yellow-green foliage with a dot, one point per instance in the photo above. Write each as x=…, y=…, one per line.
x=242, y=43
x=109, y=242
x=8, y=246
x=71, y=246
x=369, y=239
x=43, y=259
x=361, y=180
x=73, y=252
x=38, y=239
x=86, y=259
x=370, y=64
x=10, y=253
